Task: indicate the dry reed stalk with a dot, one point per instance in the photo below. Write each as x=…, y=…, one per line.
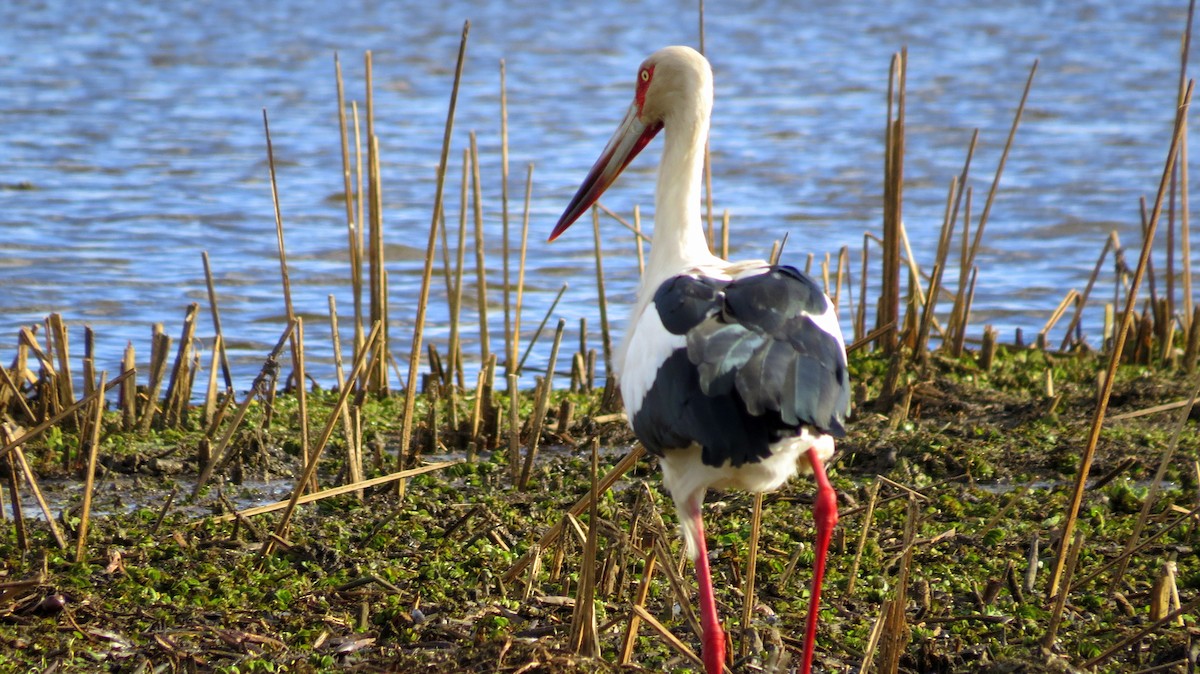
x=210, y=391
x=216, y=319
x=868, y=519
x=1184, y=517
x=1110, y=243
x=173, y=407
x=302, y=391
x=725, y=234
x=18, y=513
x=510, y=350
x=843, y=261
x=160, y=349
x=669, y=636
x=454, y=355
x=1192, y=348
x=893, y=185
x=269, y=368
x=414, y=358
x=604, y=333
x=516, y=329
x=868, y=658
x=310, y=468
x=960, y=337
x=354, y=463
x=17, y=395
x=331, y=492
x=638, y=240
x=1189, y=301
x=860, y=318
x=541, y=326
x=477, y=411
x=625, y=655
x=1071, y=554
x=360, y=245
x=635, y=227
x=584, y=638
x=751, y=572
x=37, y=494
x=623, y=466
x=921, y=350
x=542, y=392
x=896, y=632
x=1151, y=497
x=1118, y=345
x=31, y=480
x=353, y=226
x=58, y=338
x=29, y=435
x=1140, y=634
x=90, y=475
x=958, y=316
x=514, y=427
x=378, y=377
x=1072, y=296
x=480, y=254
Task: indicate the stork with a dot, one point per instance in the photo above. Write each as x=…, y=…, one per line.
x=732, y=373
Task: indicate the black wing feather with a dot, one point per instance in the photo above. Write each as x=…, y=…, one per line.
x=756, y=368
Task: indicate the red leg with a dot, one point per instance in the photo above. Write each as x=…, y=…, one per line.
x=826, y=516
x=714, y=637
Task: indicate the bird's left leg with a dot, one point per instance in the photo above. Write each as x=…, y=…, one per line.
x=713, y=648
x=826, y=516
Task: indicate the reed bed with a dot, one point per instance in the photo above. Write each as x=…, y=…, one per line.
x=553, y=586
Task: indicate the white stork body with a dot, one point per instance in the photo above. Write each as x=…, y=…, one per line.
x=732, y=373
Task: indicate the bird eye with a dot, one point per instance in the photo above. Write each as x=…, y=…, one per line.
x=645, y=75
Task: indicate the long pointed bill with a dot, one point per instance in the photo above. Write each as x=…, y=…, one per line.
x=631, y=136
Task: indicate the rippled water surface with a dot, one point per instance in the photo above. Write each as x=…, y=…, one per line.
x=132, y=140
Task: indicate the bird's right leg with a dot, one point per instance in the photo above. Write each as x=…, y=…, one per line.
x=714, y=637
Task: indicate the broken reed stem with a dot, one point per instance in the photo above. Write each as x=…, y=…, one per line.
x=453, y=365
x=607, y=341
x=1110, y=243
x=283, y=269
x=516, y=329
x=269, y=368
x=216, y=319
x=354, y=467
x=310, y=468
x=868, y=518
x=751, y=568
x=1118, y=345
x=31, y=480
x=585, y=640
x=480, y=255
x=31, y=434
x=541, y=326
x=959, y=313
x=160, y=347
x=90, y=475
x=414, y=360
x=177, y=394
x=331, y=492
x=935, y=282
x=58, y=339
x=510, y=351
x=639, y=601
x=893, y=182
x=352, y=225
x=623, y=466
x=1151, y=497
x=1071, y=296
x=1060, y=603
x=544, y=386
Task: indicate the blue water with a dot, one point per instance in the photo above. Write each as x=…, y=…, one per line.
x=138, y=129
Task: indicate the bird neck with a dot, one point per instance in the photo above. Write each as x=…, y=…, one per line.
x=679, y=241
